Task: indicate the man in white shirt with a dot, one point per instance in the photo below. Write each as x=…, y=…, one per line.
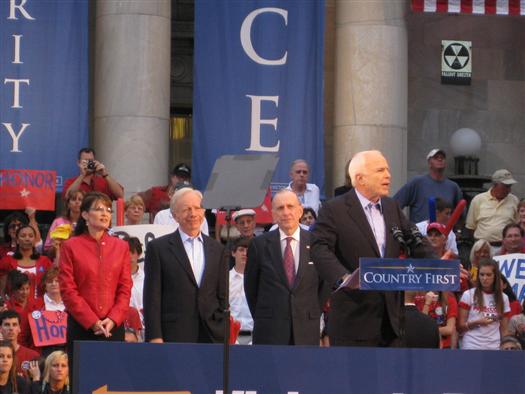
x=238, y=304
x=137, y=275
x=184, y=285
x=307, y=193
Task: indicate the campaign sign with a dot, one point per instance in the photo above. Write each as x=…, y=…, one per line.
x=408, y=274
x=48, y=327
x=144, y=232
x=513, y=267
x=27, y=188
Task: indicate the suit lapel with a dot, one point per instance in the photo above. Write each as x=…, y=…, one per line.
x=357, y=214
x=180, y=255
x=304, y=256
x=207, y=255
x=273, y=246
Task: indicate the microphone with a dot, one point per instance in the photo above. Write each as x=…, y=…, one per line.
x=398, y=235
x=414, y=236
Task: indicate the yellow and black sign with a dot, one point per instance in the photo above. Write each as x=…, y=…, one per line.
x=456, y=62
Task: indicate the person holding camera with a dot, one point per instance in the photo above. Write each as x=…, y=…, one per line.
x=94, y=177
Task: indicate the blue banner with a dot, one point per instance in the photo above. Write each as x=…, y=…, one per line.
x=197, y=369
x=43, y=84
x=408, y=274
x=258, y=84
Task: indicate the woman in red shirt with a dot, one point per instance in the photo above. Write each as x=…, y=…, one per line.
x=20, y=301
x=26, y=259
x=95, y=279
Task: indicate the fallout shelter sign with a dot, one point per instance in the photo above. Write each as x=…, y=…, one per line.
x=456, y=62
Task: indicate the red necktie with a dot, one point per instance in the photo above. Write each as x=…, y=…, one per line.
x=289, y=262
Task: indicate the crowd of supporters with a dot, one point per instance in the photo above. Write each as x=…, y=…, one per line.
x=485, y=314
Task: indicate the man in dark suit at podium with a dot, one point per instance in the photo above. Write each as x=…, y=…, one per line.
x=184, y=285
x=353, y=225
x=281, y=282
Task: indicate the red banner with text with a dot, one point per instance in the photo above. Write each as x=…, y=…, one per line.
x=27, y=188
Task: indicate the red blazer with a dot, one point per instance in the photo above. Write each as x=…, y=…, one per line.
x=8, y=263
x=95, y=278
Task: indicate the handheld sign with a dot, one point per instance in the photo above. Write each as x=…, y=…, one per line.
x=48, y=327
x=27, y=188
x=408, y=274
x=512, y=266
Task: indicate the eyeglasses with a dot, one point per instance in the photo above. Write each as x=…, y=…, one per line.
x=102, y=209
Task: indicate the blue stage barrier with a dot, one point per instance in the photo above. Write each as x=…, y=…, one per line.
x=197, y=369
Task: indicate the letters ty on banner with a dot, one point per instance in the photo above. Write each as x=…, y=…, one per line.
x=408, y=274
x=27, y=188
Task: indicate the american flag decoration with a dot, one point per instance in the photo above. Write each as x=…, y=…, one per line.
x=478, y=7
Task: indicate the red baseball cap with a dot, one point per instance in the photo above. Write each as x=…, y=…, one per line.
x=436, y=226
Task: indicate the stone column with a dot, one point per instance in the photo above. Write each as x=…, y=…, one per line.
x=132, y=91
x=371, y=84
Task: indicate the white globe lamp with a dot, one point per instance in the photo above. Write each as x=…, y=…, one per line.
x=466, y=144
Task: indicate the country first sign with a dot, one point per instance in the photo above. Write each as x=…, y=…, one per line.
x=408, y=274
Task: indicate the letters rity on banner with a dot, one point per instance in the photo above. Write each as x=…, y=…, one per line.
x=258, y=84
x=43, y=84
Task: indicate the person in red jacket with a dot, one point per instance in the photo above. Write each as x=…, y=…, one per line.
x=95, y=279
x=21, y=302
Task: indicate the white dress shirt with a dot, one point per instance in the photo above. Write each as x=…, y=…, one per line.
x=238, y=304
x=52, y=305
x=375, y=219
x=137, y=290
x=194, y=247
x=310, y=198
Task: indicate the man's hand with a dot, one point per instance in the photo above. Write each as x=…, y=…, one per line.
x=100, y=169
x=156, y=340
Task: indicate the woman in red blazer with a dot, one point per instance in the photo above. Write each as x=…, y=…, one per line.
x=95, y=278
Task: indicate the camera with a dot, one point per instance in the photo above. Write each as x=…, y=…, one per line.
x=91, y=166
